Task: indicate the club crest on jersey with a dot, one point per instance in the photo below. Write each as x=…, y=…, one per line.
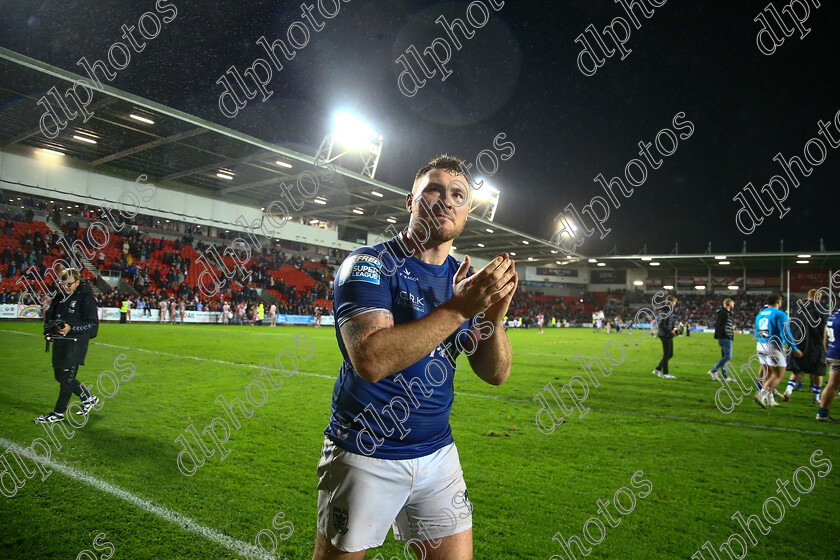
x=360, y=268
x=340, y=518
x=73, y=306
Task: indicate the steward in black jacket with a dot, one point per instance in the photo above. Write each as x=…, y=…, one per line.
x=666, y=333
x=79, y=315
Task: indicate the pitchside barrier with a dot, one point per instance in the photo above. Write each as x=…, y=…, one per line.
x=14, y=311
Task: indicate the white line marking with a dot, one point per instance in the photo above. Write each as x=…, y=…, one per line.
x=733, y=424
x=177, y=355
x=230, y=543
x=509, y=399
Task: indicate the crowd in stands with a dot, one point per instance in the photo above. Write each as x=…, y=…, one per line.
x=701, y=309
x=698, y=310
x=158, y=269
x=162, y=267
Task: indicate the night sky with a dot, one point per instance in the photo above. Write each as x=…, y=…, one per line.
x=517, y=75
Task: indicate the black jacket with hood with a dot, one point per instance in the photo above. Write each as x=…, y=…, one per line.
x=79, y=311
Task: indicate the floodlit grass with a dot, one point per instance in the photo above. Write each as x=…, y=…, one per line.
x=525, y=486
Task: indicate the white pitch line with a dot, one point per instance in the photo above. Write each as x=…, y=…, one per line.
x=509, y=399
x=734, y=424
x=177, y=355
x=668, y=417
x=230, y=543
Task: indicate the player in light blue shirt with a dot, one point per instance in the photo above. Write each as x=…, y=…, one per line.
x=772, y=331
x=831, y=341
x=405, y=310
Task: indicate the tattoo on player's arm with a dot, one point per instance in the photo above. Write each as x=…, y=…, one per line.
x=355, y=330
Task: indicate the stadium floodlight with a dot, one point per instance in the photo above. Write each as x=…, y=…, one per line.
x=647, y=258
x=721, y=257
x=52, y=152
x=481, y=244
x=140, y=118
x=512, y=254
x=593, y=260
x=699, y=287
x=602, y=264
x=358, y=211
x=733, y=287
x=524, y=242
x=530, y=258
x=351, y=136
x=485, y=200
x=668, y=287
x=723, y=262
x=283, y=164
x=84, y=139
x=654, y=263
x=488, y=230
x=558, y=262
x=638, y=283
x=802, y=262
x=391, y=220
x=803, y=256
x=377, y=194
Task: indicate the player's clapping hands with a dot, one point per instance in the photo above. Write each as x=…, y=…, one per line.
x=489, y=290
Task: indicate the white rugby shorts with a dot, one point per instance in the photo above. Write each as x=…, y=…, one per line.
x=770, y=355
x=359, y=498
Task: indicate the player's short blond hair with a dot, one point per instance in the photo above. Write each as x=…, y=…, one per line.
x=672, y=298
x=727, y=301
x=811, y=293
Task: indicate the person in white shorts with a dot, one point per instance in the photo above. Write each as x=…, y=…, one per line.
x=772, y=331
x=405, y=309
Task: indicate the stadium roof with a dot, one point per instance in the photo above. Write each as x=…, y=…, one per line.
x=187, y=152
x=730, y=264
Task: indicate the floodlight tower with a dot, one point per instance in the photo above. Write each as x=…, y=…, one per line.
x=351, y=136
x=485, y=200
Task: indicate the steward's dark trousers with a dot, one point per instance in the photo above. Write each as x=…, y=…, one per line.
x=667, y=353
x=69, y=386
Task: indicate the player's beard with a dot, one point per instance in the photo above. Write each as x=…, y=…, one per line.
x=421, y=224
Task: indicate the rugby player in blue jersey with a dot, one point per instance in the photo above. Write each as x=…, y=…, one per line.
x=405, y=310
x=831, y=342
x=772, y=331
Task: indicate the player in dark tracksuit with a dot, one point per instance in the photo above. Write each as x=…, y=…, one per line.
x=666, y=334
x=78, y=312
x=807, y=327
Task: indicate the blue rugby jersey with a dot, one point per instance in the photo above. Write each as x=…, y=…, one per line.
x=771, y=327
x=833, y=332
x=385, y=277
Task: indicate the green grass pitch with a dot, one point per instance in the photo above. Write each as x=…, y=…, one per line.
x=525, y=486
